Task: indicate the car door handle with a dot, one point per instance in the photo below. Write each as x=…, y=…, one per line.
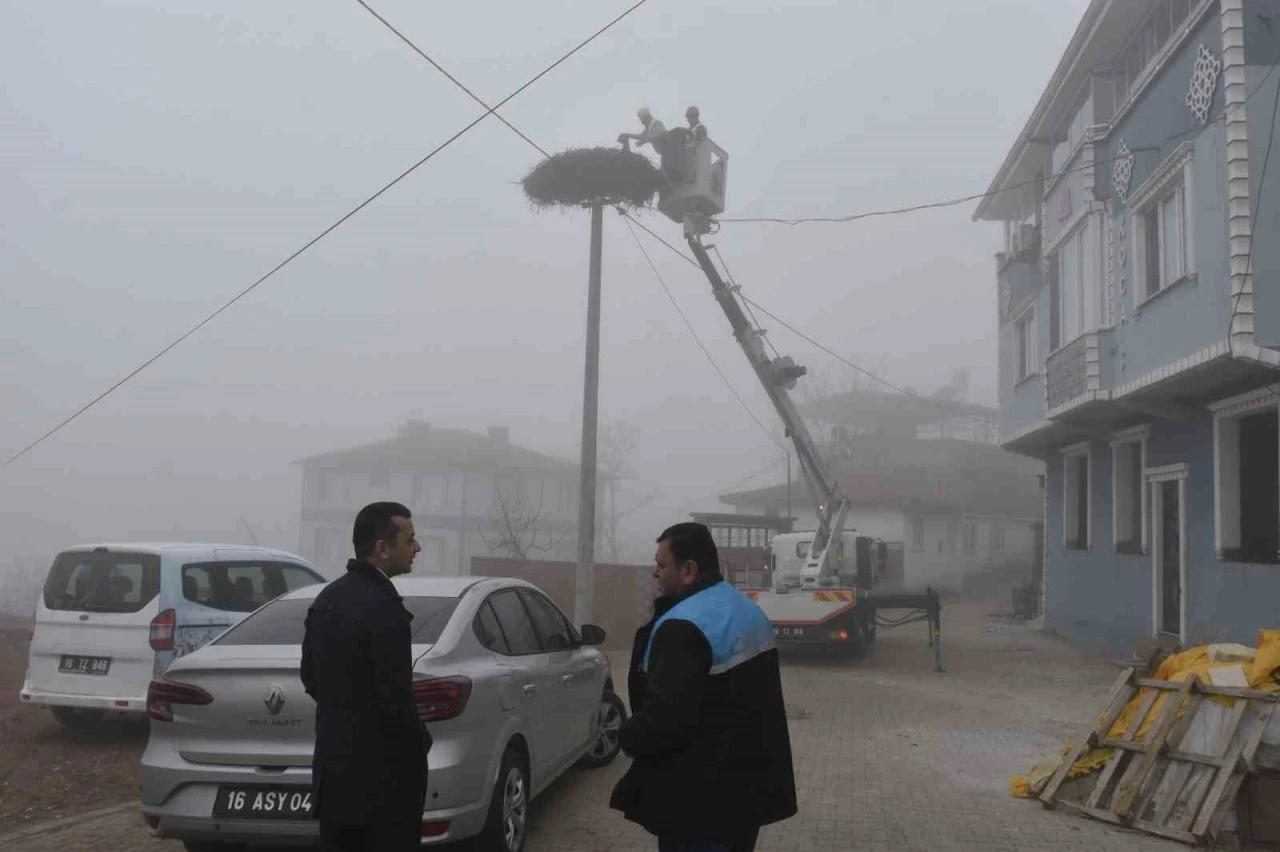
x=529, y=688
x=567, y=679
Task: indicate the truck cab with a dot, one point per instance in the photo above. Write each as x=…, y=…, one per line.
x=857, y=561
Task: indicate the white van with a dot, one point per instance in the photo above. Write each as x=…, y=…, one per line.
x=113, y=616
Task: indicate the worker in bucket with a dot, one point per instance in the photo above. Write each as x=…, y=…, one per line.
x=711, y=754
x=654, y=132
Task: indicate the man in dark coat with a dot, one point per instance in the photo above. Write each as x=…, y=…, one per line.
x=711, y=754
x=369, y=772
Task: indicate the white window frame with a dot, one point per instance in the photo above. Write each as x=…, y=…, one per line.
x=1026, y=361
x=997, y=539
x=1132, y=438
x=1226, y=461
x=969, y=534
x=1155, y=477
x=1173, y=175
x=917, y=533
x=1070, y=491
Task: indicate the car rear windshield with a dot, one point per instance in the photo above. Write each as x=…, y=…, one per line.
x=284, y=622
x=102, y=581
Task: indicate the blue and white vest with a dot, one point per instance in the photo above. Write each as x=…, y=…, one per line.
x=734, y=626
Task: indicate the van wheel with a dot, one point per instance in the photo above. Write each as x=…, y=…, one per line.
x=79, y=718
x=605, y=747
x=508, y=820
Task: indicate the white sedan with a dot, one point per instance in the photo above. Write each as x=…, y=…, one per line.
x=512, y=694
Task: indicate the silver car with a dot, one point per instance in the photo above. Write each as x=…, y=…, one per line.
x=512, y=694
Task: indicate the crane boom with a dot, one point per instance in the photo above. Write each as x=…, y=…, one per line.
x=778, y=376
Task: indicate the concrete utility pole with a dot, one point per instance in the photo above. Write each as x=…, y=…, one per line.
x=590, y=412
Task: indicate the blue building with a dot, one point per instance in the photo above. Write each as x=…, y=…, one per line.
x=1139, y=318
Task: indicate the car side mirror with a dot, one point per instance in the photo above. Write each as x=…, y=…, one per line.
x=592, y=635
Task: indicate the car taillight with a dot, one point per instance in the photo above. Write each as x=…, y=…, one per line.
x=441, y=698
x=162, y=627
x=163, y=694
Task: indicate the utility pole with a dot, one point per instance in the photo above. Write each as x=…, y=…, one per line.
x=590, y=412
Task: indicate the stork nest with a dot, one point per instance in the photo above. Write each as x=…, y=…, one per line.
x=581, y=177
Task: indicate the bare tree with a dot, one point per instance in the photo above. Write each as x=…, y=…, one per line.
x=617, y=443
x=520, y=530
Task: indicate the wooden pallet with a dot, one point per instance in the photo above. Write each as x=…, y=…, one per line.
x=1155, y=785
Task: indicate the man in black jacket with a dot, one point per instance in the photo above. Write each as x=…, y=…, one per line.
x=711, y=754
x=369, y=772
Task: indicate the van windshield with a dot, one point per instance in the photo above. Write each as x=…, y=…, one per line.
x=102, y=581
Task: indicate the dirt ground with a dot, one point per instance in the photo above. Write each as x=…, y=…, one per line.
x=47, y=772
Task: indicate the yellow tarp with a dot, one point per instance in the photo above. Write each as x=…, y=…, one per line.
x=1263, y=671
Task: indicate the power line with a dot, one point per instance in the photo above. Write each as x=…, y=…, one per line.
x=543, y=151
x=688, y=504
x=282, y=264
x=952, y=202
x=870, y=375
x=697, y=339
x=456, y=81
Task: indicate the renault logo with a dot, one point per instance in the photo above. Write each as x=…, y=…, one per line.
x=275, y=700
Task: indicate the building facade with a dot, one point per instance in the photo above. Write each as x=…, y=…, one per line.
x=471, y=496
x=921, y=474
x=1135, y=360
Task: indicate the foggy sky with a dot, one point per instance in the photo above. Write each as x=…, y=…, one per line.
x=155, y=158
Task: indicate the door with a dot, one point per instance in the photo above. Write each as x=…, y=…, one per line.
x=535, y=681
x=93, y=624
x=1170, y=579
x=580, y=672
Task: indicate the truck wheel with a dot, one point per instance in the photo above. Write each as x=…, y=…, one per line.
x=505, y=828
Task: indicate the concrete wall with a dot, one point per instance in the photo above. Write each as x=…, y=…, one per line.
x=1103, y=598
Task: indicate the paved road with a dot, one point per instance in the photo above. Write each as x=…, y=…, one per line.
x=890, y=757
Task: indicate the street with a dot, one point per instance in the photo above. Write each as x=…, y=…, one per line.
x=890, y=756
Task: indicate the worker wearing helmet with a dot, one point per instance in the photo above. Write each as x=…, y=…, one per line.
x=711, y=754
x=654, y=132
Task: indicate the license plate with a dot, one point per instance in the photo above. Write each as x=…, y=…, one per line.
x=789, y=632
x=262, y=803
x=71, y=664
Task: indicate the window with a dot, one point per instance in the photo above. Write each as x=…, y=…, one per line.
x=514, y=621
x=1070, y=312
x=242, y=586
x=552, y=627
x=1024, y=346
x=1164, y=253
x=1129, y=499
x=488, y=631
x=952, y=528
x=380, y=477
x=1075, y=498
x=284, y=622
x=917, y=534
x=431, y=493
x=997, y=538
x=1247, y=435
x=970, y=538
x=102, y=582
x=1162, y=247
x=1164, y=24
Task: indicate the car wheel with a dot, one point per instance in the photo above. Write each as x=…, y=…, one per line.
x=79, y=718
x=508, y=820
x=605, y=746
x=211, y=846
